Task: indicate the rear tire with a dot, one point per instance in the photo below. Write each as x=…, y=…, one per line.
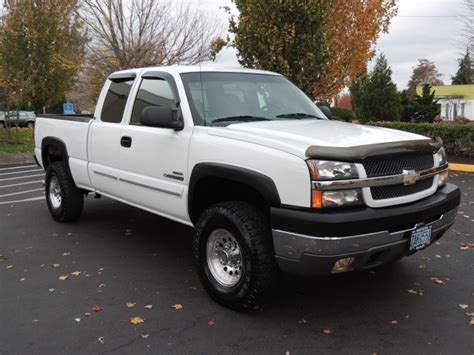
x=30, y=125
x=234, y=255
x=65, y=201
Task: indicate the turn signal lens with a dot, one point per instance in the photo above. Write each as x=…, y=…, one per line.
x=443, y=178
x=316, y=199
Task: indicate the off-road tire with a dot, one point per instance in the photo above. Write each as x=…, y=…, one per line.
x=251, y=229
x=72, y=199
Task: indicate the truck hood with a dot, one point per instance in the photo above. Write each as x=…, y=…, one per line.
x=297, y=136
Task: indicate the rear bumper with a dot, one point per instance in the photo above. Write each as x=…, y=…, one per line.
x=311, y=242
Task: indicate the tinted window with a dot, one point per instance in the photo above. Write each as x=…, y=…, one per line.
x=115, y=101
x=153, y=92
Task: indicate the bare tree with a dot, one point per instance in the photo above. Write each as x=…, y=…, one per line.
x=148, y=32
x=466, y=37
x=139, y=33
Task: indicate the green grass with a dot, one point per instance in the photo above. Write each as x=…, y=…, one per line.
x=21, y=141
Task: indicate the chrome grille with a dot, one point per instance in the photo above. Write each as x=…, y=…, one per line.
x=393, y=191
x=395, y=164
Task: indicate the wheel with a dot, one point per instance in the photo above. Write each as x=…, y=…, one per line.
x=65, y=201
x=30, y=125
x=2, y=124
x=234, y=255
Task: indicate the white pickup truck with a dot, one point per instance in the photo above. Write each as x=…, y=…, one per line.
x=266, y=178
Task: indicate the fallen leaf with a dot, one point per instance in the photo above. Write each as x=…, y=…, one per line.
x=463, y=306
x=76, y=273
x=102, y=285
x=211, y=323
x=467, y=246
x=63, y=278
x=22, y=279
x=418, y=292
x=136, y=320
x=327, y=331
x=145, y=335
x=66, y=253
x=10, y=267
x=56, y=265
x=51, y=290
x=101, y=340
x=77, y=320
x=3, y=257
x=87, y=314
x=148, y=306
x=96, y=308
x=394, y=322
x=471, y=322
x=438, y=281
x=177, y=306
x=131, y=304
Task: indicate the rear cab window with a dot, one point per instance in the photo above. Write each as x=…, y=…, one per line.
x=116, y=99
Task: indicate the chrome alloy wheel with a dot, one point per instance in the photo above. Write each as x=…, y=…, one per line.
x=55, y=193
x=224, y=258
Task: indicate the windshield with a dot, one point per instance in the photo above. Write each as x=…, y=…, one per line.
x=220, y=98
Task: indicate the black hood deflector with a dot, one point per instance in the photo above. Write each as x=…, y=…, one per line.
x=360, y=153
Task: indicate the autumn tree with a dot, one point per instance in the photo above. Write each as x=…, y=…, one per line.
x=424, y=73
x=375, y=97
x=465, y=73
x=321, y=45
x=140, y=33
x=41, y=50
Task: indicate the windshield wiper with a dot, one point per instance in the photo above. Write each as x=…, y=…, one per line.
x=241, y=119
x=299, y=115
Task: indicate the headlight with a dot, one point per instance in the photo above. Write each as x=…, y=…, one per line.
x=331, y=170
x=441, y=154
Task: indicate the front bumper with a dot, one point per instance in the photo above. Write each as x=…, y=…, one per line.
x=308, y=242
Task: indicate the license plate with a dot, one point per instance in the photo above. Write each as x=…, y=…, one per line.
x=420, y=238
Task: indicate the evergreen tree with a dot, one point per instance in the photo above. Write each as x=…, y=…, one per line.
x=408, y=106
x=376, y=98
x=426, y=105
x=465, y=74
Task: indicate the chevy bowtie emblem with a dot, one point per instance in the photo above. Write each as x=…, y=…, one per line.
x=410, y=177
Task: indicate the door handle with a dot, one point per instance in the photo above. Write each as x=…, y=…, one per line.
x=126, y=141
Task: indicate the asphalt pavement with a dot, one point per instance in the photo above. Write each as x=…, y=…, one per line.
x=76, y=288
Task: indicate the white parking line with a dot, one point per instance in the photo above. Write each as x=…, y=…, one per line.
x=27, y=200
x=21, y=177
x=19, y=167
x=21, y=192
x=20, y=172
x=23, y=183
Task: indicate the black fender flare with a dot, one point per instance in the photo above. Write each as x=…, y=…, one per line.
x=59, y=145
x=259, y=182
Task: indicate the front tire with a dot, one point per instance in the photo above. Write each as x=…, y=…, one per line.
x=234, y=255
x=65, y=201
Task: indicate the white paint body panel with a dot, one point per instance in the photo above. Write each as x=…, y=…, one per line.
x=135, y=175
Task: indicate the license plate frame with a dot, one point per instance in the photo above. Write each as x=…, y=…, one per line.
x=420, y=238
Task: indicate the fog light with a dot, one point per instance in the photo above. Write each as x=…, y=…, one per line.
x=341, y=198
x=342, y=265
x=443, y=178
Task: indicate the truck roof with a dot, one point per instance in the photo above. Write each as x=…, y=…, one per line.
x=198, y=68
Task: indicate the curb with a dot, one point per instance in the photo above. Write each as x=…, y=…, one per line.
x=467, y=168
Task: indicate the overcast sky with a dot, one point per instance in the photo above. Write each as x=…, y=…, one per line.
x=423, y=29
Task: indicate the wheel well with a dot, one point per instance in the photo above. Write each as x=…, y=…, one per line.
x=53, y=150
x=211, y=190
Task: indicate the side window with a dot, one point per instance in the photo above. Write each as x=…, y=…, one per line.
x=152, y=92
x=115, y=101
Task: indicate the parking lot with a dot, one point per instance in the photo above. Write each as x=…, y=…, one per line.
x=75, y=288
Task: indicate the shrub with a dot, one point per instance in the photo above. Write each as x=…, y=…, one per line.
x=458, y=138
x=342, y=114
